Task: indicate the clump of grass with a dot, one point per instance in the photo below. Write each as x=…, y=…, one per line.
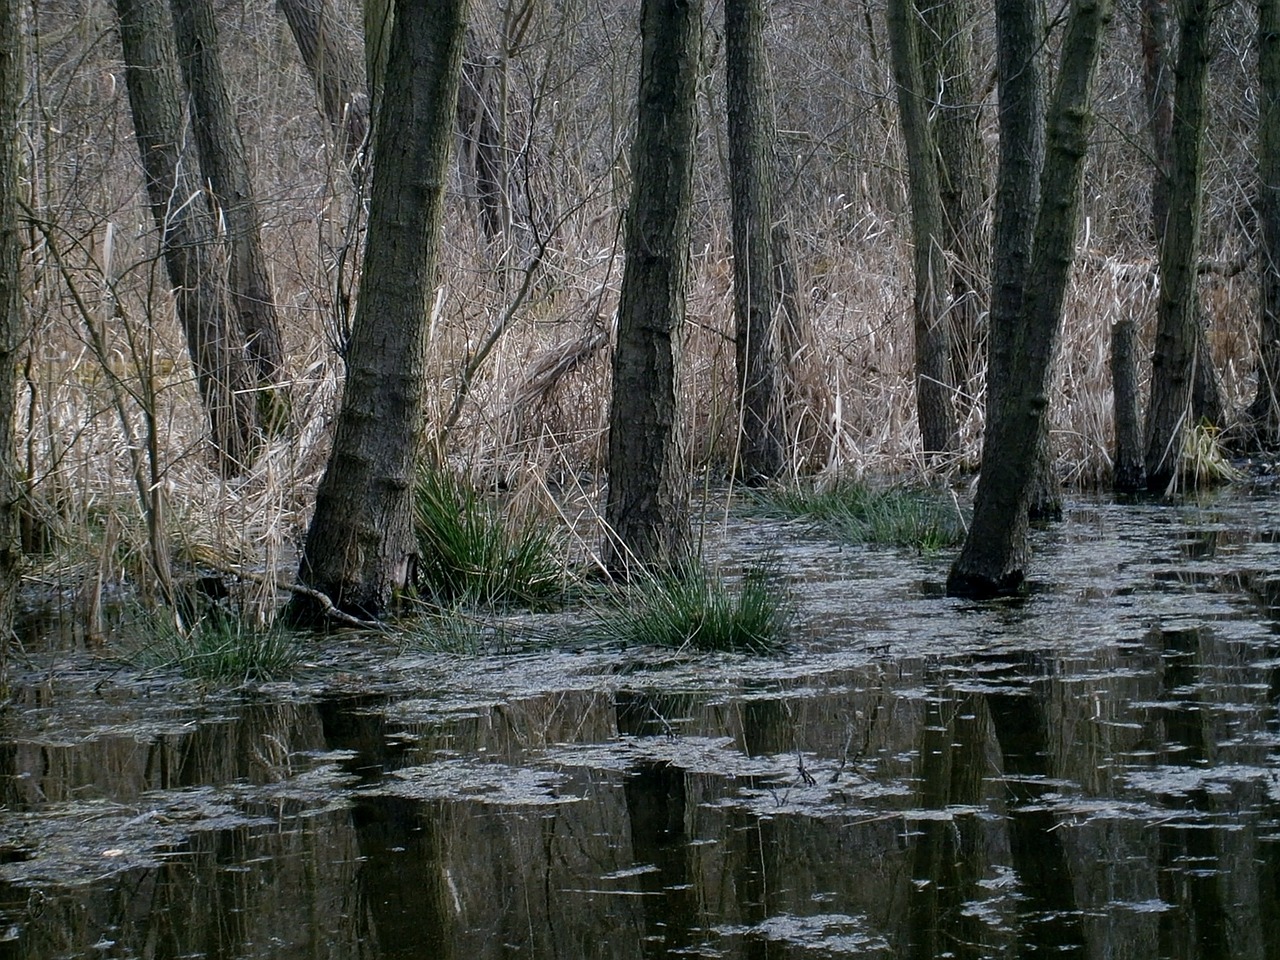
x=456, y=631
x=692, y=607
x=926, y=520
x=473, y=554
x=220, y=648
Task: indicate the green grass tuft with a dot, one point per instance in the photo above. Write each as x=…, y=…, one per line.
x=923, y=519
x=473, y=554
x=220, y=649
x=694, y=608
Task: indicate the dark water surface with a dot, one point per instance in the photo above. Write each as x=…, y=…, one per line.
x=1092, y=772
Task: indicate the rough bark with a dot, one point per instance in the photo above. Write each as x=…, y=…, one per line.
x=12, y=82
x=1178, y=336
x=1128, y=473
x=360, y=550
x=186, y=230
x=647, y=507
x=334, y=70
x=752, y=136
x=993, y=557
x=947, y=50
x=226, y=173
x=1264, y=412
x=934, y=405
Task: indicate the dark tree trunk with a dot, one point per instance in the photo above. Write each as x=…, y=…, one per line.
x=1128, y=473
x=752, y=136
x=648, y=506
x=932, y=337
x=334, y=70
x=1179, y=337
x=994, y=555
x=12, y=81
x=226, y=172
x=481, y=157
x=186, y=229
x=1264, y=412
x=361, y=549
x=947, y=49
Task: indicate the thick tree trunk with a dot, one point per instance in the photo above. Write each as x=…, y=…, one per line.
x=947, y=48
x=994, y=555
x=752, y=135
x=226, y=172
x=334, y=70
x=12, y=81
x=647, y=506
x=932, y=337
x=361, y=549
x=1128, y=473
x=1170, y=413
x=1264, y=412
x=186, y=229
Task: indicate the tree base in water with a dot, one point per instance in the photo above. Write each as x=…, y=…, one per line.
x=974, y=586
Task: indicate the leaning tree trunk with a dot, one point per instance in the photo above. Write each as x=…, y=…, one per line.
x=752, y=135
x=226, y=172
x=360, y=549
x=12, y=81
x=993, y=558
x=647, y=507
x=186, y=230
x=334, y=70
x=1178, y=349
x=1264, y=412
x=934, y=405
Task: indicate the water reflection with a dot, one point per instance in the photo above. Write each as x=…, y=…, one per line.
x=1090, y=773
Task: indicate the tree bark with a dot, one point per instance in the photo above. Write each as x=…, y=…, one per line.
x=647, y=507
x=993, y=557
x=334, y=70
x=1128, y=473
x=186, y=230
x=1264, y=412
x=481, y=158
x=752, y=135
x=12, y=82
x=226, y=172
x=1178, y=349
x=935, y=409
x=947, y=49
x=360, y=550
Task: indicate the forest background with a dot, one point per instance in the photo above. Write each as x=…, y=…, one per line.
x=117, y=476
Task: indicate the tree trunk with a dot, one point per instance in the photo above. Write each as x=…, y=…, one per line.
x=360, y=549
x=481, y=157
x=1179, y=348
x=752, y=135
x=932, y=338
x=947, y=48
x=186, y=230
x=1264, y=412
x=647, y=506
x=12, y=81
x=334, y=70
x=226, y=172
x=1128, y=473
x=994, y=555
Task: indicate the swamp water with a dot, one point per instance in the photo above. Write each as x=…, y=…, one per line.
x=1093, y=771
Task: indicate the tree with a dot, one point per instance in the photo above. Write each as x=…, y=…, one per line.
x=186, y=230
x=1179, y=335
x=12, y=83
x=932, y=337
x=226, y=173
x=1264, y=412
x=360, y=549
x=1023, y=341
x=334, y=70
x=647, y=506
x=752, y=135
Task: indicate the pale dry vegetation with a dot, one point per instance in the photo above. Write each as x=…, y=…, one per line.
x=111, y=432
